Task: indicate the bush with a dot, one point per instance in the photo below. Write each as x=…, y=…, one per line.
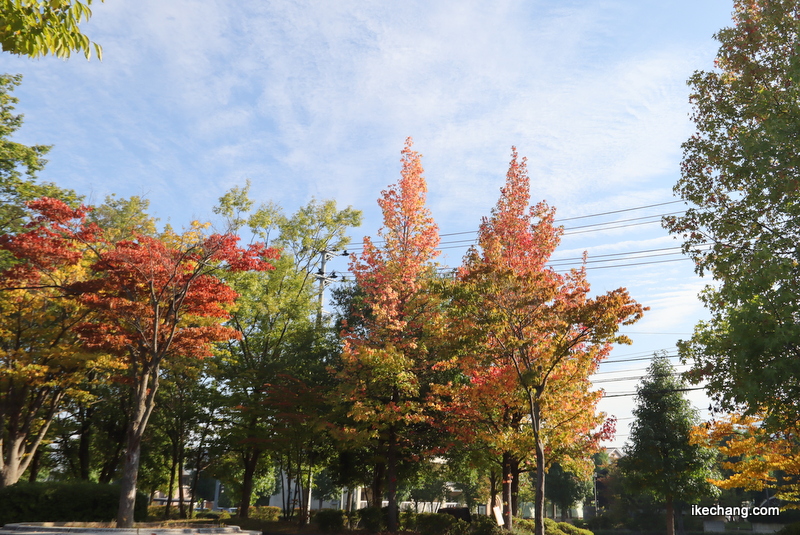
x=569, y=529
x=485, y=525
x=434, y=523
x=551, y=527
x=371, y=519
x=408, y=520
x=270, y=513
x=459, y=527
x=790, y=529
x=64, y=502
x=330, y=520
x=214, y=515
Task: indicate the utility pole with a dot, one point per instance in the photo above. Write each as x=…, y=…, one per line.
x=324, y=279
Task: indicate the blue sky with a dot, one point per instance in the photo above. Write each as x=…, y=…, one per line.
x=315, y=99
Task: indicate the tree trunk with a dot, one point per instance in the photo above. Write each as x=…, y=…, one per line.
x=146, y=386
x=84, y=443
x=508, y=477
x=130, y=476
x=391, y=480
x=514, y=487
x=377, y=485
x=670, y=516
x=251, y=457
x=538, y=507
x=181, y=493
x=170, y=488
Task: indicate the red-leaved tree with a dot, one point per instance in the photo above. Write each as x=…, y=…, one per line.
x=383, y=361
x=154, y=298
x=526, y=317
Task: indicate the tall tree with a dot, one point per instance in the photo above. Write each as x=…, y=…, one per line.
x=154, y=299
x=385, y=358
x=275, y=318
x=42, y=362
x=660, y=459
x=740, y=174
x=566, y=489
x=540, y=324
x=19, y=165
x=36, y=28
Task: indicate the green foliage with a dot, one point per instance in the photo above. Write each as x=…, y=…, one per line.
x=269, y=513
x=39, y=27
x=63, y=502
x=739, y=172
x=434, y=523
x=372, y=519
x=569, y=529
x=485, y=525
x=330, y=520
x=790, y=529
x=564, y=488
x=660, y=461
x=275, y=375
x=155, y=513
x=19, y=164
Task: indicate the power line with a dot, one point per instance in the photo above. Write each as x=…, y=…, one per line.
x=571, y=219
x=628, y=394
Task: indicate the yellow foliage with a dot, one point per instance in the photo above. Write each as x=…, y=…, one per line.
x=759, y=459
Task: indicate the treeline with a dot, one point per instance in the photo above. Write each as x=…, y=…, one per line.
x=131, y=352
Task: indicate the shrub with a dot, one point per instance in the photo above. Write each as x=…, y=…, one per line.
x=485, y=525
x=434, y=523
x=330, y=520
x=569, y=529
x=270, y=513
x=790, y=529
x=61, y=501
x=371, y=519
x=551, y=527
x=156, y=512
x=408, y=520
x=459, y=527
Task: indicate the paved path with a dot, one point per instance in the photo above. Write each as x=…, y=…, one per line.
x=55, y=528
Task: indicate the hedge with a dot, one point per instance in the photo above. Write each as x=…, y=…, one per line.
x=60, y=501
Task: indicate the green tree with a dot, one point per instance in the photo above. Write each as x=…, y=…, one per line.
x=659, y=459
x=19, y=165
x=39, y=27
x=276, y=316
x=741, y=174
x=566, y=489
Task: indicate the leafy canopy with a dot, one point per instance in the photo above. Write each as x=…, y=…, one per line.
x=741, y=174
x=39, y=27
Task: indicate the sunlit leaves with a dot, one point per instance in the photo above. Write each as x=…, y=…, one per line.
x=757, y=458
x=739, y=175
x=39, y=27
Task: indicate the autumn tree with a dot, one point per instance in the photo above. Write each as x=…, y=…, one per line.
x=739, y=175
x=385, y=358
x=153, y=299
x=278, y=334
x=660, y=459
x=540, y=324
x=754, y=457
x=36, y=28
